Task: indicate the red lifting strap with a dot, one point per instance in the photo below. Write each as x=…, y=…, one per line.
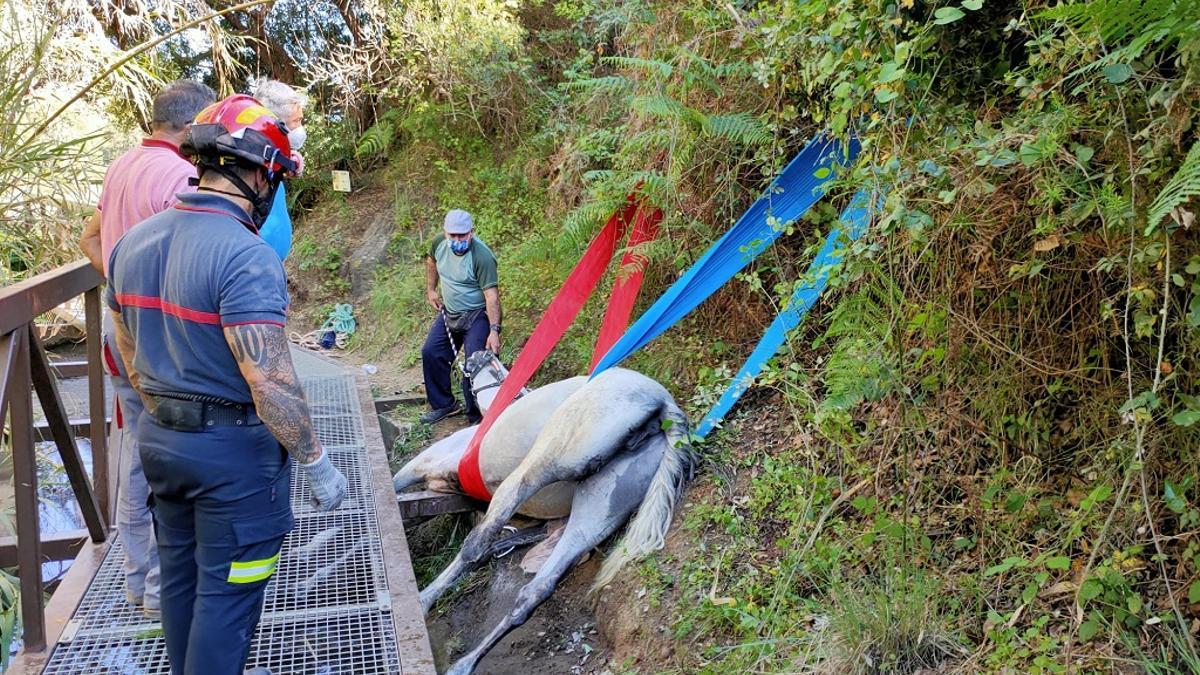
x=558, y=317
x=628, y=283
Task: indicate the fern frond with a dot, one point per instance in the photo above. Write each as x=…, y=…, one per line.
x=697, y=69
x=740, y=128
x=609, y=84
x=1133, y=28
x=650, y=66
x=597, y=176
x=1114, y=20
x=655, y=187
x=377, y=140
x=580, y=223
x=732, y=69
x=667, y=108
x=647, y=142
x=1184, y=185
x=857, y=369
x=600, y=143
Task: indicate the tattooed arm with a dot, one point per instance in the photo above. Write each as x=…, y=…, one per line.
x=261, y=352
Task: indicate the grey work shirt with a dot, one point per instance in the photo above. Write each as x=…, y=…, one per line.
x=465, y=277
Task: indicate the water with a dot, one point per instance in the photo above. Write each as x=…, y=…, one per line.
x=58, y=511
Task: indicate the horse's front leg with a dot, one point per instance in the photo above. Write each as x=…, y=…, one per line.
x=508, y=498
x=601, y=504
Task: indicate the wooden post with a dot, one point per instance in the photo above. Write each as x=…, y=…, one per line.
x=60, y=428
x=99, y=430
x=8, y=352
x=29, y=549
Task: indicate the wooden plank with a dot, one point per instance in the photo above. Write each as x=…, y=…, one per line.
x=79, y=427
x=60, y=428
x=97, y=434
x=29, y=554
x=415, y=506
x=68, y=369
x=61, y=607
x=412, y=637
x=387, y=403
x=57, y=546
x=24, y=301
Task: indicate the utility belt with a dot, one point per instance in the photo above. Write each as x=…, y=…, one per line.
x=195, y=412
x=462, y=321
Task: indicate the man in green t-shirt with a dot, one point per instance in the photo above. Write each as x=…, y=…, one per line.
x=468, y=308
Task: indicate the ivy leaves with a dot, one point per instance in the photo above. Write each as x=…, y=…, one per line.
x=947, y=15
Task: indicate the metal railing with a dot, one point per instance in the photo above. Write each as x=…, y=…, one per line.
x=24, y=370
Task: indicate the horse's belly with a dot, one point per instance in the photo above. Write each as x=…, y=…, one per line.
x=551, y=502
x=509, y=440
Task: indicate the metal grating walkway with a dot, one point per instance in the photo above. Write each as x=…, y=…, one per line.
x=331, y=607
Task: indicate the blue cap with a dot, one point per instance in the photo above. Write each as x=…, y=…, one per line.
x=458, y=222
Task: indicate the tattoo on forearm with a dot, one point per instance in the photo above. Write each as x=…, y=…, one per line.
x=278, y=395
x=247, y=344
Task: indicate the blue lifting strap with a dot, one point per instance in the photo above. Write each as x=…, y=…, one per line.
x=790, y=195
x=851, y=225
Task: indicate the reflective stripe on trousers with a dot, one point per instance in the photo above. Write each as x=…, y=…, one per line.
x=252, y=570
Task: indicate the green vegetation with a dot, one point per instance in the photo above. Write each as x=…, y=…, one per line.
x=978, y=452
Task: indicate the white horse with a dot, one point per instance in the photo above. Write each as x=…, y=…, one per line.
x=597, y=450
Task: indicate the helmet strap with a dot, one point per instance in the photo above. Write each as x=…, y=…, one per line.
x=260, y=204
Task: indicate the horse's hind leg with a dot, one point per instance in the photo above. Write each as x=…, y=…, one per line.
x=508, y=498
x=602, y=503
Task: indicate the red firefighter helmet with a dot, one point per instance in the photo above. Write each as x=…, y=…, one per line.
x=239, y=129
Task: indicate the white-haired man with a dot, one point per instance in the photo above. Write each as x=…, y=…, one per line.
x=288, y=105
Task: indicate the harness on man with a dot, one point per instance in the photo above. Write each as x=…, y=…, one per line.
x=456, y=361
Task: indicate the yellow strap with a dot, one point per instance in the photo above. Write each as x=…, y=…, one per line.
x=252, y=570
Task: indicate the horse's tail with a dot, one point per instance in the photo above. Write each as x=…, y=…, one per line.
x=647, y=529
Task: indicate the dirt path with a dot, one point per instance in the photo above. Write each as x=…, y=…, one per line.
x=560, y=637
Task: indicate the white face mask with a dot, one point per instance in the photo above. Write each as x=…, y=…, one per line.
x=296, y=137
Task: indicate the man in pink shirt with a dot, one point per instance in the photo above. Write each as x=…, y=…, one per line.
x=140, y=183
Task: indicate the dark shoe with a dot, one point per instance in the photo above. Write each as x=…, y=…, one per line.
x=472, y=420
x=435, y=416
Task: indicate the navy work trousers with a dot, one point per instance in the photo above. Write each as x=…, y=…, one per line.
x=221, y=507
x=437, y=356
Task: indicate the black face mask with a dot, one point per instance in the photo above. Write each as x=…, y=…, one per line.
x=260, y=203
